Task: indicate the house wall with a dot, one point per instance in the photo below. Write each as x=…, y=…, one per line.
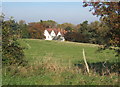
x=47, y=35
x=52, y=34
x=59, y=34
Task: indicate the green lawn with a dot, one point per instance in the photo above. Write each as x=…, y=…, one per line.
x=60, y=63
x=63, y=51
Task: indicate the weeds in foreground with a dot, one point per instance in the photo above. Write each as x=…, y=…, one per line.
x=51, y=73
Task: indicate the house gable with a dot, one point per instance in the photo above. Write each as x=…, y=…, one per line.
x=59, y=34
x=47, y=35
x=54, y=34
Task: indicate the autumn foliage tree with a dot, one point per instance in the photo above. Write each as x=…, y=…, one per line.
x=36, y=30
x=109, y=13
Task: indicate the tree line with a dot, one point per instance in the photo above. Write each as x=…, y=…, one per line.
x=94, y=32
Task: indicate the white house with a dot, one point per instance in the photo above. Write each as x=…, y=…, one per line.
x=54, y=34
x=47, y=35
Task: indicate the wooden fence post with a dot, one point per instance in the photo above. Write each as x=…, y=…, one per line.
x=85, y=61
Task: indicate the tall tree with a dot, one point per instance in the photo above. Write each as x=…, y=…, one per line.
x=12, y=51
x=98, y=32
x=84, y=31
x=109, y=13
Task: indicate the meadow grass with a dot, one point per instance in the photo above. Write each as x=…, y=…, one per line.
x=63, y=51
x=58, y=63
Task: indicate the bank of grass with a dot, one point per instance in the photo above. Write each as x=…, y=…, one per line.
x=61, y=63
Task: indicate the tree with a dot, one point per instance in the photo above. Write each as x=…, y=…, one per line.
x=84, y=27
x=24, y=29
x=66, y=26
x=84, y=32
x=109, y=13
x=36, y=30
x=98, y=32
x=12, y=51
x=48, y=23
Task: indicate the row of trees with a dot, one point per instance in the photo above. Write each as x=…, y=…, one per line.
x=95, y=32
x=88, y=33
x=35, y=30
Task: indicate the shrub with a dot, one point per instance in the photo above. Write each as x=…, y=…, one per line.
x=12, y=52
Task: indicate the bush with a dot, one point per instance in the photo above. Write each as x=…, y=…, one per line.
x=12, y=52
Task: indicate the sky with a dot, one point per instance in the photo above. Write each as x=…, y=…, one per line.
x=42, y=0
x=61, y=12
x=56, y=0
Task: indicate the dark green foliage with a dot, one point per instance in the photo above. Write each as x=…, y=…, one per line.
x=84, y=31
x=25, y=33
x=68, y=28
x=48, y=23
x=74, y=36
x=24, y=29
x=101, y=68
x=12, y=52
x=84, y=34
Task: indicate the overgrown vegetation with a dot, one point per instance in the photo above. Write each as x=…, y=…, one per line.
x=61, y=63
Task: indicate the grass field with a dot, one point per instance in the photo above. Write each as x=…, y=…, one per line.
x=61, y=63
